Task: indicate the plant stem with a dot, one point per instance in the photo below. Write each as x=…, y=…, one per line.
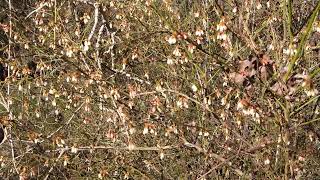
x=303, y=41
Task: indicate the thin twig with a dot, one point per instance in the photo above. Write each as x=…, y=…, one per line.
x=8, y=90
x=96, y=18
x=12, y=149
x=98, y=45
x=38, y=9
x=55, y=23
x=125, y=148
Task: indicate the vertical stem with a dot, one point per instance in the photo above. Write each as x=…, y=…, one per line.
x=9, y=57
x=284, y=18
x=9, y=48
x=289, y=19
x=55, y=23
x=8, y=89
x=287, y=139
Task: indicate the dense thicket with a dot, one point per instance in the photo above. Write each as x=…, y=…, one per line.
x=159, y=89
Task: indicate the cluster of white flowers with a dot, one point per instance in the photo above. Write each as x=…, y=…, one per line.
x=246, y=109
x=172, y=39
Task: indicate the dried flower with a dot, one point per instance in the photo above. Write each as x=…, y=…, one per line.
x=191, y=48
x=74, y=149
x=259, y=6
x=170, y=61
x=194, y=88
x=161, y=155
x=196, y=14
x=177, y=52
x=85, y=46
x=54, y=103
x=131, y=146
x=221, y=27
x=172, y=39
x=267, y=161
x=199, y=32
x=145, y=130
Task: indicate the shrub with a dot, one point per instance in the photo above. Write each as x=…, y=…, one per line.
x=166, y=89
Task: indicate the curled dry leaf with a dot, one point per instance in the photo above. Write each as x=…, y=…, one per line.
x=279, y=88
x=245, y=65
x=237, y=78
x=307, y=81
x=266, y=68
x=263, y=73
x=246, y=70
x=265, y=60
x=252, y=73
x=301, y=79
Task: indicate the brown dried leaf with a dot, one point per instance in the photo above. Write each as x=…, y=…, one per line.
x=252, y=73
x=279, y=88
x=263, y=73
x=245, y=65
x=265, y=60
x=237, y=78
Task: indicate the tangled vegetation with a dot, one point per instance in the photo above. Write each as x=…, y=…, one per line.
x=159, y=89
